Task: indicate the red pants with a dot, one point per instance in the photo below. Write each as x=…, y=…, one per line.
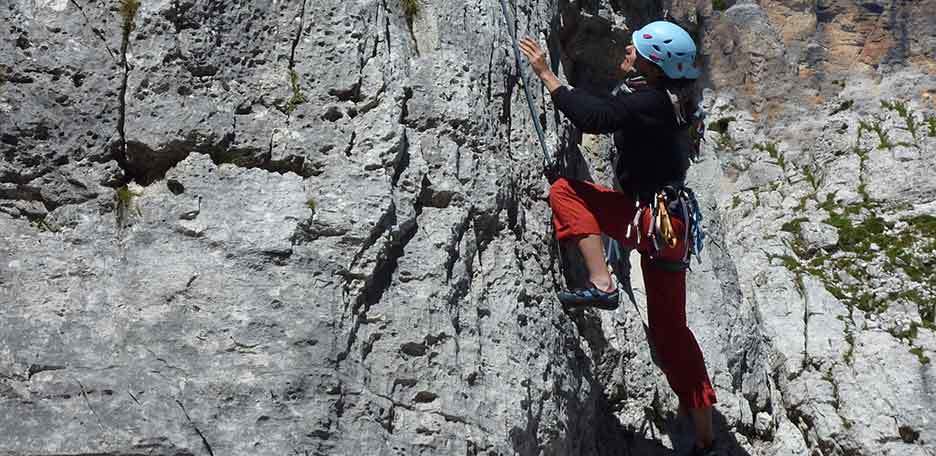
x=582, y=208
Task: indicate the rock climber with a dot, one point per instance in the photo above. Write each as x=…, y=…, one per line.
x=650, y=123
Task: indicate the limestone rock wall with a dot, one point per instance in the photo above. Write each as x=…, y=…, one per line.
x=320, y=227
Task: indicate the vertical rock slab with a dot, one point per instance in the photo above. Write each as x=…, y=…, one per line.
x=195, y=69
x=59, y=104
x=320, y=227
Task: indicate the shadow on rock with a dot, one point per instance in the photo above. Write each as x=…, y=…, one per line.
x=725, y=438
x=680, y=432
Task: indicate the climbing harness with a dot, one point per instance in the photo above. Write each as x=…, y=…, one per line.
x=524, y=85
x=659, y=232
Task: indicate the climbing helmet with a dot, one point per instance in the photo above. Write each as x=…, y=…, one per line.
x=669, y=47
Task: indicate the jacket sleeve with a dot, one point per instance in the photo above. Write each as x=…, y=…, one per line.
x=593, y=114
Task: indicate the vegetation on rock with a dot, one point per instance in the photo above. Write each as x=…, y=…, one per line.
x=297, y=97
x=128, y=10
x=124, y=205
x=411, y=8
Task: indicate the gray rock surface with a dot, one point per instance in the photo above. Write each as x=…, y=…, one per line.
x=320, y=227
x=819, y=236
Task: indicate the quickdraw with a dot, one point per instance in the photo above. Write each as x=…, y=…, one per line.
x=696, y=236
x=659, y=232
x=663, y=224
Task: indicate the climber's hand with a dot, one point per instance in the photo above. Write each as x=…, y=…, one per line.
x=537, y=59
x=535, y=55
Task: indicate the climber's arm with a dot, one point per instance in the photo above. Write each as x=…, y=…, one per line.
x=593, y=114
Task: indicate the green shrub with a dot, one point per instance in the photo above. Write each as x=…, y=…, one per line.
x=813, y=175
x=793, y=226
x=128, y=10
x=726, y=142
x=771, y=149
x=919, y=354
x=931, y=125
x=924, y=226
x=875, y=127
x=123, y=200
x=909, y=334
x=857, y=237
x=721, y=125
x=844, y=106
x=41, y=224
x=850, y=339
x=789, y=262
x=411, y=8
x=900, y=107
x=297, y=97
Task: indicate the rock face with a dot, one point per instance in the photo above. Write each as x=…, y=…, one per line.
x=320, y=227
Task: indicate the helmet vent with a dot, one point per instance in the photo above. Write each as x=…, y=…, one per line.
x=668, y=41
x=669, y=54
x=680, y=54
x=657, y=48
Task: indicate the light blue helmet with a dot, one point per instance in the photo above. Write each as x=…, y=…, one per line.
x=670, y=47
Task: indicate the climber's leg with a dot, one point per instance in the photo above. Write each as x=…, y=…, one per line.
x=581, y=212
x=593, y=252
x=677, y=350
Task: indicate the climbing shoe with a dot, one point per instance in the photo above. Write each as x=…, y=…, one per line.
x=591, y=296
